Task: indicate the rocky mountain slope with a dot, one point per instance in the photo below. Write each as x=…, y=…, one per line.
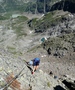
x=51, y=37
x=16, y=47
x=39, y=80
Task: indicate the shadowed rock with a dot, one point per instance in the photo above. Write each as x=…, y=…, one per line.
x=58, y=88
x=70, y=85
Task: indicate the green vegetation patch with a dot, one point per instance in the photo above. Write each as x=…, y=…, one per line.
x=8, y=15
x=3, y=17
x=18, y=25
x=48, y=84
x=32, y=23
x=48, y=20
x=21, y=19
x=19, y=31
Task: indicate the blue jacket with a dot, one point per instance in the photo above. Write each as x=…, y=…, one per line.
x=36, y=59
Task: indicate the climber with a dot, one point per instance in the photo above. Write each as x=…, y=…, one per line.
x=36, y=62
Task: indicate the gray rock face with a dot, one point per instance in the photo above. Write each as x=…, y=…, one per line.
x=65, y=27
x=38, y=81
